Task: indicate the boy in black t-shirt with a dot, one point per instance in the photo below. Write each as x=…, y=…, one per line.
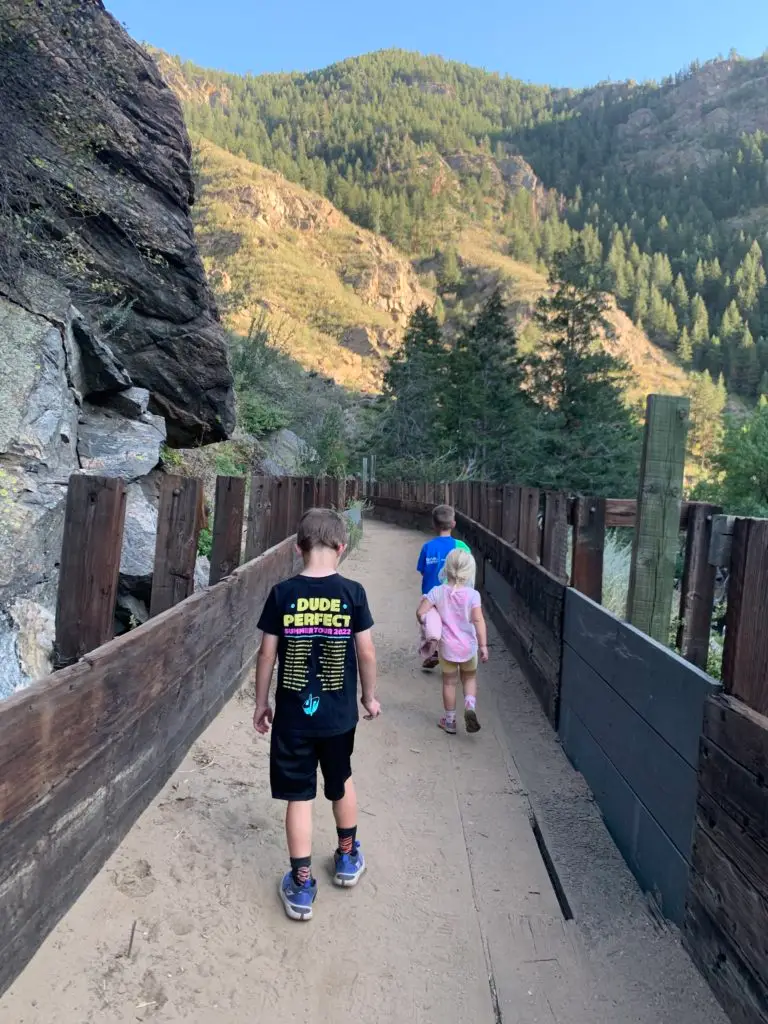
x=319, y=626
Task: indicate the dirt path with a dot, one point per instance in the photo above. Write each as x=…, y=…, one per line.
x=456, y=921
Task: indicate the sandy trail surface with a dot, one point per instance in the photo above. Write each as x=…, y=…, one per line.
x=455, y=922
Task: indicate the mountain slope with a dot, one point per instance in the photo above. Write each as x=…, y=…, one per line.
x=337, y=295
x=665, y=183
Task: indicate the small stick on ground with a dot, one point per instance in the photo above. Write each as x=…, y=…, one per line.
x=130, y=941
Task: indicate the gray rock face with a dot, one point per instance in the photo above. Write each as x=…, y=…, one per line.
x=132, y=403
x=111, y=445
x=95, y=190
x=139, y=537
x=101, y=371
x=286, y=454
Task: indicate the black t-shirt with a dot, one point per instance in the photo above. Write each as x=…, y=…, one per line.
x=316, y=619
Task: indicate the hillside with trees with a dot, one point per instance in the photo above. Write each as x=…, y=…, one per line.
x=664, y=183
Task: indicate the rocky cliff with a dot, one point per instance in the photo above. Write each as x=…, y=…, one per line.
x=110, y=341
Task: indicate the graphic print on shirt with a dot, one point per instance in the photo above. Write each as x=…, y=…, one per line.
x=321, y=628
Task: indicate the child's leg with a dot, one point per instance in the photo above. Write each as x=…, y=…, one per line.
x=336, y=765
x=469, y=685
x=450, y=679
x=298, y=832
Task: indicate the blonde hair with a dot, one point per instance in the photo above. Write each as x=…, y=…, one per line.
x=459, y=569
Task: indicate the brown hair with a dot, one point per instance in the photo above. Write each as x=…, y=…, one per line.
x=443, y=517
x=321, y=528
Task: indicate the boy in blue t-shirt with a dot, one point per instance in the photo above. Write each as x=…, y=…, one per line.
x=434, y=553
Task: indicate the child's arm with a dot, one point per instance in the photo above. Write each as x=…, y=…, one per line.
x=425, y=605
x=366, y=664
x=478, y=621
x=265, y=666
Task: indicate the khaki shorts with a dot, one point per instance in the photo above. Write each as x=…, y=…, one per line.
x=464, y=667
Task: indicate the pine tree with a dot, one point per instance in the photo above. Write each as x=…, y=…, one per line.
x=706, y=425
x=685, y=348
x=681, y=299
x=588, y=436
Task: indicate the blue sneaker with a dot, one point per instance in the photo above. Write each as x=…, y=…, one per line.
x=297, y=899
x=349, y=867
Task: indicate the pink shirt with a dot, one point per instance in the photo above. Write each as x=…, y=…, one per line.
x=454, y=606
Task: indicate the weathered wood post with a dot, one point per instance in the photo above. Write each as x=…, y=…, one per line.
x=588, y=547
x=510, y=515
x=554, y=553
x=259, y=516
x=528, y=539
x=178, y=531
x=89, y=566
x=657, y=528
x=227, y=527
x=745, y=655
x=697, y=592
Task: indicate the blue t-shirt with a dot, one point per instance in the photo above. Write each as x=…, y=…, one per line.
x=432, y=559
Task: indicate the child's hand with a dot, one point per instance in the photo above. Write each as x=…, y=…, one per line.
x=373, y=708
x=262, y=719
x=483, y=654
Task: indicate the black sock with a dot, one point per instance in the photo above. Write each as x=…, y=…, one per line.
x=301, y=869
x=347, y=839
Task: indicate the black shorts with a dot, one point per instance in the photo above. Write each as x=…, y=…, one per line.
x=293, y=761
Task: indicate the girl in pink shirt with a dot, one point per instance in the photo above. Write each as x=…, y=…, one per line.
x=463, y=631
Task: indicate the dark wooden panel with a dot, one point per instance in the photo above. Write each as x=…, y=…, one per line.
x=89, y=567
x=745, y=655
x=259, y=515
x=510, y=516
x=736, y=842
x=528, y=538
x=735, y=907
x=227, y=526
x=588, y=547
x=741, y=994
x=697, y=591
x=555, y=539
x=83, y=752
x=648, y=851
x=662, y=780
x=739, y=731
x=178, y=530
x=279, y=525
x=664, y=690
x=740, y=793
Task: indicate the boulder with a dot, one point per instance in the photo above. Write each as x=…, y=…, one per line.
x=360, y=340
x=285, y=454
x=110, y=445
x=132, y=403
x=138, y=554
x=95, y=191
x=101, y=371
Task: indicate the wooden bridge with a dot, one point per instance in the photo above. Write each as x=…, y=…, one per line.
x=616, y=794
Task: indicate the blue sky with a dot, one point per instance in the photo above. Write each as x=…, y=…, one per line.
x=557, y=42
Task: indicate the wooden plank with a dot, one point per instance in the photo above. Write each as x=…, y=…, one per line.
x=739, y=731
x=733, y=904
x=721, y=544
x=654, y=551
x=227, y=527
x=278, y=525
x=89, y=567
x=664, y=690
x=740, y=993
x=588, y=547
x=737, y=791
x=308, y=494
x=697, y=591
x=662, y=779
x=178, y=530
x=555, y=540
x=85, y=751
x=736, y=842
x=623, y=512
x=529, y=541
x=745, y=654
x=510, y=514
x=496, y=509
x=259, y=517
